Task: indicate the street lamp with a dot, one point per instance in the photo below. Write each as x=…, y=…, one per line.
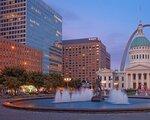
x=67, y=80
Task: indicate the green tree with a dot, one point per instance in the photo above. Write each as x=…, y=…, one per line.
x=75, y=83
x=17, y=72
x=48, y=84
x=2, y=80
x=36, y=79
x=57, y=80
x=13, y=84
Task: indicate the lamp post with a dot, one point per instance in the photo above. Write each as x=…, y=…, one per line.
x=67, y=80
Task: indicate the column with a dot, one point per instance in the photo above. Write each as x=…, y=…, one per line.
x=137, y=81
x=131, y=84
x=142, y=80
x=112, y=82
x=107, y=82
x=126, y=80
x=148, y=80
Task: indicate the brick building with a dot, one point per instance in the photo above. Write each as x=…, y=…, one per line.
x=83, y=57
x=16, y=54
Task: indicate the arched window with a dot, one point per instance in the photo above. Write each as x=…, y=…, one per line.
x=143, y=56
x=146, y=56
x=140, y=56
x=145, y=76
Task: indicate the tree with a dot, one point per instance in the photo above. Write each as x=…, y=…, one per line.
x=36, y=79
x=75, y=83
x=13, y=84
x=48, y=84
x=2, y=80
x=57, y=80
x=17, y=72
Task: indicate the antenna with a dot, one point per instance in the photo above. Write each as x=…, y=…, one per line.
x=139, y=12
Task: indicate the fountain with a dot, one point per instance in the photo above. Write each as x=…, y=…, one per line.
x=80, y=101
x=98, y=93
x=83, y=94
x=84, y=100
x=117, y=97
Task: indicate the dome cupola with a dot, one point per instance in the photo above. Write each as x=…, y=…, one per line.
x=139, y=52
x=140, y=40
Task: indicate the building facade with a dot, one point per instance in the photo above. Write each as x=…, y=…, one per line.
x=137, y=73
x=111, y=78
x=15, y=54
x=83, y=57
x=138, y=69
x=31, y=22
x=56, y=57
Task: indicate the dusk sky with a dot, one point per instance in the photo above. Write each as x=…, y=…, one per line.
x=112, y=21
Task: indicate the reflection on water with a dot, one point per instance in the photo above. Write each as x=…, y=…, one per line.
x=136, y=103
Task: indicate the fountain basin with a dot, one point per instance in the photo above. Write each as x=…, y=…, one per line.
x=47, y=104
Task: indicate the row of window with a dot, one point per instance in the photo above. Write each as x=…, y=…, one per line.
x=4, y=7
x=111, y=78
x=13, y=28
x=13, y=10
x=80, y=48
x=140, y=56
x=18, y=22
x=139, y=76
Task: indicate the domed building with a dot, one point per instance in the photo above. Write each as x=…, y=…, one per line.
x=137, y=73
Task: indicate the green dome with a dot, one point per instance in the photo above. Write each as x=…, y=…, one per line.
x=140, y=41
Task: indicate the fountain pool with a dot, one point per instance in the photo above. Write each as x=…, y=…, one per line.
x=80, y=101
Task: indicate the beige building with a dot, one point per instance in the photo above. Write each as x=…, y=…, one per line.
x=138, y=70
x=137, y=73
x=110, y=79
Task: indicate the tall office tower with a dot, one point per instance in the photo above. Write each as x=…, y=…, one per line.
x=56, y=57
x=31, y=22
x=82, y=58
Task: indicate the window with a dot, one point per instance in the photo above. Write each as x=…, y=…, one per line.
x=134, y=76
x=145, y=76
x=122, y=85
x=139, y=76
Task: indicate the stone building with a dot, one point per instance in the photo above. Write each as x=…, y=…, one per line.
x=137, y=72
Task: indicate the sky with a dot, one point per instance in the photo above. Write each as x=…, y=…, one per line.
x=113, y=21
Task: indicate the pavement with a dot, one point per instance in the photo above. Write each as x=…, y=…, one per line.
x=12, y=114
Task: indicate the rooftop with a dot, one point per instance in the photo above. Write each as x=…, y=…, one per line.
x=82, y=40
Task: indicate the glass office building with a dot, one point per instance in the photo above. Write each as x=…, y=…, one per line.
x=31, y=22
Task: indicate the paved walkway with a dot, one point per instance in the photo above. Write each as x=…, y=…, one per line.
x=11, y=114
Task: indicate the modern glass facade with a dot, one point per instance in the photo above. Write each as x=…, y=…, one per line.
x=56, y=57
x=31, y=22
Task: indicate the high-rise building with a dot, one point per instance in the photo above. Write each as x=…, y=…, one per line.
x=14, y=54
x=82, y=58
x=56, y=57
x=31, y=22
